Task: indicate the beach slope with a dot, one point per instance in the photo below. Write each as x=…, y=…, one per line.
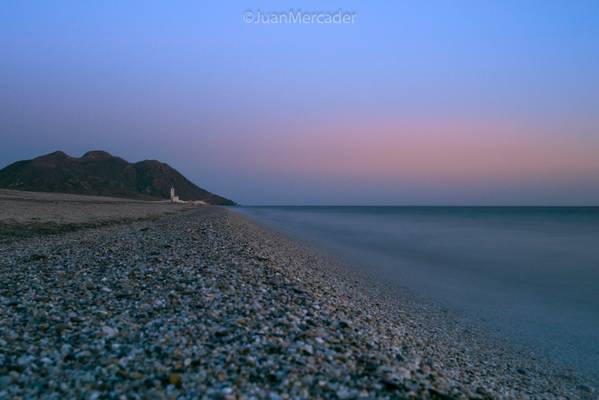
x=202, y=302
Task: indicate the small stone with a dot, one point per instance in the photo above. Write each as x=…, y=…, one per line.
x=109, y=332
x=274, y=396
x=343, y=393
x=585, y=388
x=24, y=360
x=175, y=379
x=343, y=324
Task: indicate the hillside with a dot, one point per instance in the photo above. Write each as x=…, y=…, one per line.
x=102, y=174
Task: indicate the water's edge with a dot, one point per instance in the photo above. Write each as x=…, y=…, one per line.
x=559, y=327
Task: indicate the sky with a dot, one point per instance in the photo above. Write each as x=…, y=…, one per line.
x=432, y=103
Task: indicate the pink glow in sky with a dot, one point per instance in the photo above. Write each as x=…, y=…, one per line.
x=454, y=151
x=414, y=103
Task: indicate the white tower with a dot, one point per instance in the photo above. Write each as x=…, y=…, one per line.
x=174, y=197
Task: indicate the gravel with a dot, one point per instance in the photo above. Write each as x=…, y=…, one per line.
x=27, y=214
x=208, y=304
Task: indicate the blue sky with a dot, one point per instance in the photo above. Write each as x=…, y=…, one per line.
x=414, y=103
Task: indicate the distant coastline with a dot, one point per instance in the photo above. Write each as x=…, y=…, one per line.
x=99, y=173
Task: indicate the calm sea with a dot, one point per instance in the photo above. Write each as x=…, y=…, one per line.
x=529, y=274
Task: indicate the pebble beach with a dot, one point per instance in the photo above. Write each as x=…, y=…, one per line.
x=202, y=302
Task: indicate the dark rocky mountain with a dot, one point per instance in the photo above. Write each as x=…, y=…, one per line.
x=100, y=173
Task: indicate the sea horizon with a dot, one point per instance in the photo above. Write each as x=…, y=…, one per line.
x=427, y=205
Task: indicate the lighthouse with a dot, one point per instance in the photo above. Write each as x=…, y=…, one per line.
x=174, y=198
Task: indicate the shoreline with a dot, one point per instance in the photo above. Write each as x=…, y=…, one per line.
x=207, y=302
x=395, y=296
x=451, y=333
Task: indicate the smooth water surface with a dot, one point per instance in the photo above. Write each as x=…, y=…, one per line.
x=529, y=274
